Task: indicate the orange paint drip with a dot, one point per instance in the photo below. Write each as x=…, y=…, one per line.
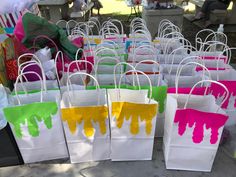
x=96, y=114
x=136, y=112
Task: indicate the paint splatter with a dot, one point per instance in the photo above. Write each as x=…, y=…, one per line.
x=199, y=119
x=196, y=91
x=159, y=94
x=30, y=115
x=135, y=112
x=96, y=114
x=218, y=91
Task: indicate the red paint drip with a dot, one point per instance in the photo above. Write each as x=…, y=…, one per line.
x=197, y=119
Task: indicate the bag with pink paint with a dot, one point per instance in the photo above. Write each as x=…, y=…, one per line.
x=193, y=129
x=185, y=80
x=186, y=88
x=228, y=78
x=213, y=58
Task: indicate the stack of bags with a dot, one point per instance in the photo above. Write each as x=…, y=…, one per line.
x=122, y=91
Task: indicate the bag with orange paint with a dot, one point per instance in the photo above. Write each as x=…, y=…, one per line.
x=193, y=129
x=132, y=122
x=86, y=122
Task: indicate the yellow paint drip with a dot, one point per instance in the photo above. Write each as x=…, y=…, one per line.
x=135, y=112
x=74, y=116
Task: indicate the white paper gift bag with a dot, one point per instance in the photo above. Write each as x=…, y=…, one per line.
x=176, y=56
x=143, y=52
x=187, y=81
x=172, y=69
x=158, y=81
x=193, y=128
x=105, y=68
x=33, y=65
x=86, y=123
x=3, y=103
x=159, y=88
x=77, y=83
x=132, y=122
x=36, y=124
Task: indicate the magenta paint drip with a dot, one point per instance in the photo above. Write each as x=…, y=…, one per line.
x=219, y=93
x=190, y=118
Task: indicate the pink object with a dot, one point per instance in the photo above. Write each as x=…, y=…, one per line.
x=218, y=91
x=74, y=67
x=114, y=38
x=19, y=29
x=210, y=69
x=78, y=42
x=198, y=119
x=215, y=58
x=196, y=91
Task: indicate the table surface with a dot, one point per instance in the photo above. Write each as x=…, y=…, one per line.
x=52, y=2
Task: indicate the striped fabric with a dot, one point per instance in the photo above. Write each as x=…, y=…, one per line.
x=9, y=20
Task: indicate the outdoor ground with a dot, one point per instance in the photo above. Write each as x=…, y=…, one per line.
x=224, y=166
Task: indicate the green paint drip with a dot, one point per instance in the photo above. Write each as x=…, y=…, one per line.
x=31, y=114
x=105, y=87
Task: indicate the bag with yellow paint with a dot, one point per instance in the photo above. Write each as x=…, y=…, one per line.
x=159, y=88
x=36, y=124
x=86, y=122
x=132, y=121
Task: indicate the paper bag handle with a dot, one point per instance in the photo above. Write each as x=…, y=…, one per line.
x=115, y=68
x=19, y=78
x=211, y=81
x=189, y=63
x=136, y=71
x=70, y=87
x=154, y=62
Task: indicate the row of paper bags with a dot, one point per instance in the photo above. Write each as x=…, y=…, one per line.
x=116, y=124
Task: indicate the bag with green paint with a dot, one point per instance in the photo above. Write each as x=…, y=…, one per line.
x=36, y=124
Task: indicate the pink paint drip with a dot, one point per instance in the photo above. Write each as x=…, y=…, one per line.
x=215, y=58
x=191, y=117
x=211, y=69
x=219, y=91
x=196, y=91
